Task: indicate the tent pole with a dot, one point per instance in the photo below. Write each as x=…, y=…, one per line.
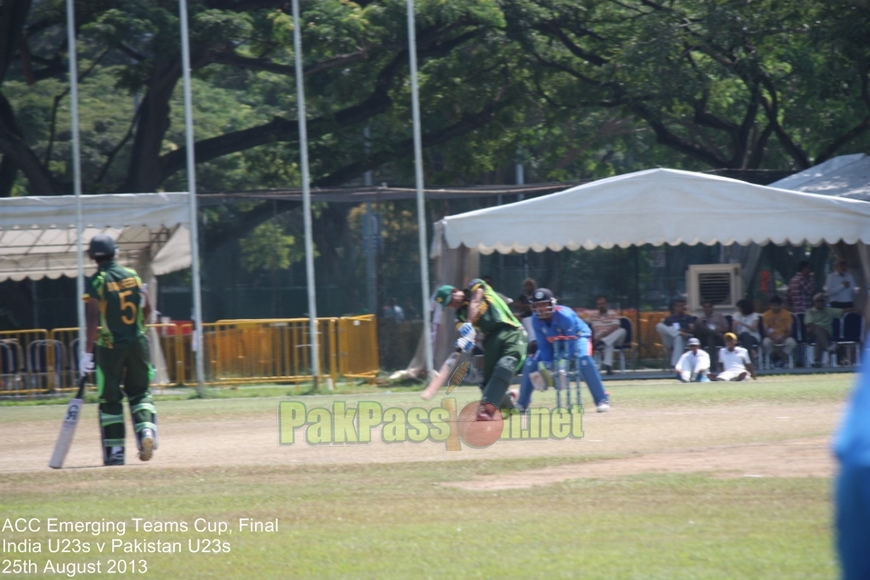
x=637, y=333
x=418, y=174
x=306, y=196
x=198, y=337
x=77, y=171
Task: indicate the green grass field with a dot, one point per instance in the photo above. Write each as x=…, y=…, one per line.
x=396, y=512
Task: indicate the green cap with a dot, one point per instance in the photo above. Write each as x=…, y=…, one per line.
x=444, y=295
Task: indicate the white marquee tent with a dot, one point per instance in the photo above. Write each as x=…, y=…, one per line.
x=38, y=238
x=845, y=176
x=38, y=234
x=656, y=206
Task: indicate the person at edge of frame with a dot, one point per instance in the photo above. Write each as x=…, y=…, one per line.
x=552, y=322
x=852, y=482
x=116, y=347
x=479, y=309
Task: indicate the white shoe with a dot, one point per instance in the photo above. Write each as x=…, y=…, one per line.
x=603, y=407
x=146, y=445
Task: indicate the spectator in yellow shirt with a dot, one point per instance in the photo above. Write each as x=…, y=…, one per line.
x=778, y=343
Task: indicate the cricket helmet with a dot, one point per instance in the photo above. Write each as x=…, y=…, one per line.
x=444, y=295
x=543, y=302
x=102, y=246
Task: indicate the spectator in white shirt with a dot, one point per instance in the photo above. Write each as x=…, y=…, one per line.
x=745, y=325
x=734, y=361
x=840, y=286
x=694, y=364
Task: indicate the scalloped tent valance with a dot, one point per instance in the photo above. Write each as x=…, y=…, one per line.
x=658, y=206
x=38, y=234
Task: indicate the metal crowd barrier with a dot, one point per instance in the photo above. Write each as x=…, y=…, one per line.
x=235, y=352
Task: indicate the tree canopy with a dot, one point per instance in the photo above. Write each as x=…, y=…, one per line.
x=572, y=88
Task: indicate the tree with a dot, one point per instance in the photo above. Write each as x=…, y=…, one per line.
x=269, y=248
x=724, y=84
x=356, y=67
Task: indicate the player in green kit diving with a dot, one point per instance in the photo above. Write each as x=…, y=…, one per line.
x=480, y=309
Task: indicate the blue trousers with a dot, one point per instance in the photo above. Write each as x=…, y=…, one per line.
x=588, y=371
x=851, y=521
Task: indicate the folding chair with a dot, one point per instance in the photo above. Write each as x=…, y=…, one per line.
x=627, y=345
x=625, y=323
x=11, y=364
x=45, y=362
x=810, y=343
x=852, y=334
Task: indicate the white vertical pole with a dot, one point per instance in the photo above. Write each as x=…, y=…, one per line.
x=306, y=195
x=371, y=250
x=191, y=193
x=418, y=173
x=77, y=170
x=521, y=180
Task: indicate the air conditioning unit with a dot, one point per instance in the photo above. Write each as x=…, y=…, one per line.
x=721, y=284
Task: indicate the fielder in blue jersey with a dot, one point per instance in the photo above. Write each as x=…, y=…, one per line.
x=852, y=486
x=552, y=322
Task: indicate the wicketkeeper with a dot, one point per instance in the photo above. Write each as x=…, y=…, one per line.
x=117, y=307
x=551, y=323
x=480, y=309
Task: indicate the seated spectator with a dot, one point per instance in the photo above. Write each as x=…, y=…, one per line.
x=819, y=321
x=607, y=332
x=745, y=325
x=778, y=342
x=734, y=361
x=694, y=364
x=840, y=286
x=676, y=329
x=710, y=327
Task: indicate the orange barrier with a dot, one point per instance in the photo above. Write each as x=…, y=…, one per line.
x=358, y=347
x=278, y=350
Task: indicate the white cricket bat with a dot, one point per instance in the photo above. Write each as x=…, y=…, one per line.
x=443, y=374
x=68, y=429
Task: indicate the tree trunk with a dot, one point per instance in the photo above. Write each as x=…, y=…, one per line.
x=144, y=173
x=17, y=155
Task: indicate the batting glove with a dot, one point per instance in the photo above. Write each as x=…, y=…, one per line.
x=86, y=363
x=464, y=344
x=467, y=330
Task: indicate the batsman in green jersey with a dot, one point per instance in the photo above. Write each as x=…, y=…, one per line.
x=480, y=309
x=117, y=307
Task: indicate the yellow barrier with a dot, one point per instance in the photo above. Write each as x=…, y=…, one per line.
x=358, y=346
x=29, y=363
x=235, y=352
x=251, y=351
x=279, y=350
